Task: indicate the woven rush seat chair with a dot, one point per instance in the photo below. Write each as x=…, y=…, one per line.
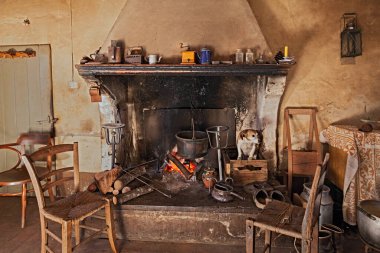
x=287, y=219
x=17, y=175
x=69, y=211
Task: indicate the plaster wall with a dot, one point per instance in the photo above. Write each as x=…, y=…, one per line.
x=160, y=27
x=343, y=90
x=310, y=29
x=50, y=23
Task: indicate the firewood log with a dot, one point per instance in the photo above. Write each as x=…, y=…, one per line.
x=115, y=192
x=128, y=177
x=92, y=187
x=122, y=198
x=132, y=185
x=105, y=179
x=125, y=189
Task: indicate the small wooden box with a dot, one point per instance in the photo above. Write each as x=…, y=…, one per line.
x=133, y=59
x=188, y=57
x=245, y=171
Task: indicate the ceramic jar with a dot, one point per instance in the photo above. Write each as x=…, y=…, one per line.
x=209, y=178
x=239, y=56
x=249, y=56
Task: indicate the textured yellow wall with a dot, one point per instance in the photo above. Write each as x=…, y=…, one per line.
x=310, y=29
x=160, y=26
x=50, y=23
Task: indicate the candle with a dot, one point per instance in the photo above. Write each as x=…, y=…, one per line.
x=286, y=51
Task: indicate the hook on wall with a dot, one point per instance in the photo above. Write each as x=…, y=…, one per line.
x=26, y=21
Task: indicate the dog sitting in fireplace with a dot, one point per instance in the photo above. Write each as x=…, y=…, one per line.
x=249, y=143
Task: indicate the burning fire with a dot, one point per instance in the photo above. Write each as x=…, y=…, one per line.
x=171, y=167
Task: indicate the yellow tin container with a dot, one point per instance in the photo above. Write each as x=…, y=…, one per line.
x=188, y=57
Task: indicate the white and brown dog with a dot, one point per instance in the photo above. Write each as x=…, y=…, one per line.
x=247, y=142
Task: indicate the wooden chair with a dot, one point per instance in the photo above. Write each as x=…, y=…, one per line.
x=69, y=211
x=18, y=175
x=301, y=162
x=287, y=219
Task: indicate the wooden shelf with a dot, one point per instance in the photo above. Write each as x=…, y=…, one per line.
x=87, y=70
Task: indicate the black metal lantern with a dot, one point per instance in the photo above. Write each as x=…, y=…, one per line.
x=350, y=37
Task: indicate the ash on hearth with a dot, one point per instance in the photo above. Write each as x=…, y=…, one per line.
x=174, y=182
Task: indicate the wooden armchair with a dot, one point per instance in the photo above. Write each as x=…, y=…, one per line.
x=69, y=211
x=17, y=175
x=287, y=219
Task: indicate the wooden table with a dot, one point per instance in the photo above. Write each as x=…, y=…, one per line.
x=362, y=173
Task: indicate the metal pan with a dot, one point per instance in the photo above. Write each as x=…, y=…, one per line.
x=224, y=192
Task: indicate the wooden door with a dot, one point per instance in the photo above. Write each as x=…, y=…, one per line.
x=25, y=96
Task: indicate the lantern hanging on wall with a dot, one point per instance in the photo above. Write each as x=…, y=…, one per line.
x=350, y=37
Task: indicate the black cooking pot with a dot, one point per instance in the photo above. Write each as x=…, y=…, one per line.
x=192, y=144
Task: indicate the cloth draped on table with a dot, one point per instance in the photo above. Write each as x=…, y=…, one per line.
x=362, y=176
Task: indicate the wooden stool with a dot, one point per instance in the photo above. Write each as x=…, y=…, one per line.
x=301, y=162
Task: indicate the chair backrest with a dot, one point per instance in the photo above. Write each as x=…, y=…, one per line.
x=314, y=203
x=27, y=143
x=39, y=184
x=313, y=137
x=34, y=138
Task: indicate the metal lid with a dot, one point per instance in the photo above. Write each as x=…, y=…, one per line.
x=371, y=206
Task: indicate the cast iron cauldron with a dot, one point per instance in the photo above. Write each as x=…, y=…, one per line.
x=192, y=144
x=369, y=221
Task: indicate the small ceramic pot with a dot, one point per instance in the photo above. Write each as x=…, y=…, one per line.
x=209, y=178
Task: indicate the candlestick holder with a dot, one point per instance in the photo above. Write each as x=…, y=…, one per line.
x=113, y=132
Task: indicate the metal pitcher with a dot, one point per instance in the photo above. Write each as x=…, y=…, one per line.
x=204, y=57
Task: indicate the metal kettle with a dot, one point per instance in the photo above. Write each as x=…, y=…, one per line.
x=204, y=57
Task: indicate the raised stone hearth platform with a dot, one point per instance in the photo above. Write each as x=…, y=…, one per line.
x=191, y=216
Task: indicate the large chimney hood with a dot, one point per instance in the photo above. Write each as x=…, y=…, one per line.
x=159, y=27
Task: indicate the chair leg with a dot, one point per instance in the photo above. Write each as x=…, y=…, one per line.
x=66, y=236
x=44, y=239
x=249, y=236
x=312, y=246
x=77, y=231
x=110, y=226
x=315, y=241
x=290, y=182
x=23, y=205
x=268, y=241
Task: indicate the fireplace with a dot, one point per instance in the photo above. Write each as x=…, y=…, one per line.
x=157, y=102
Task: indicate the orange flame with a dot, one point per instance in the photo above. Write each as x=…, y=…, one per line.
x=171, y=167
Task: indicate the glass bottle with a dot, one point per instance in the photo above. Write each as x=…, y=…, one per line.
x=260, y=60
x=239, y=56
x=249, y=56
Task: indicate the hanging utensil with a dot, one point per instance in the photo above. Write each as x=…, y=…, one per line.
x=218, y=138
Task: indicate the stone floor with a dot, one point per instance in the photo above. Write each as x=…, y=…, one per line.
x=16, y=240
